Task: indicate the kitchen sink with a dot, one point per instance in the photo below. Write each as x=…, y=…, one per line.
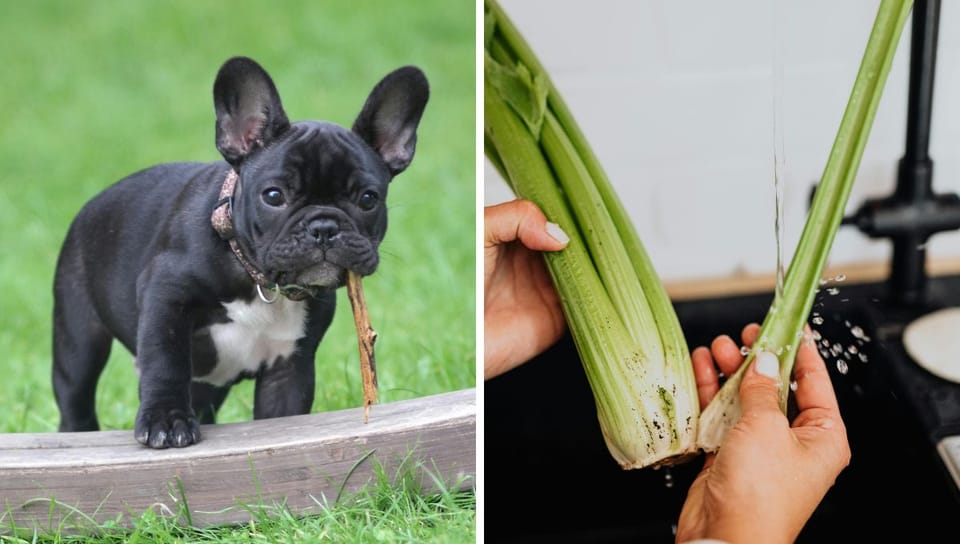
x=549, y=478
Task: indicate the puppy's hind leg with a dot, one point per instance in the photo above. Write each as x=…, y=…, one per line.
x=206, y=400
x=81, y=346
x=286, y=388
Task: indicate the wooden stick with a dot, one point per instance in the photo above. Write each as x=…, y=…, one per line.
x=366, y=336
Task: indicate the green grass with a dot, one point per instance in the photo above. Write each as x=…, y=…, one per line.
x=93, y=91
x=391, y=509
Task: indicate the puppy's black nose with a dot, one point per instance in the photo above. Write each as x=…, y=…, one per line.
x=323, y=229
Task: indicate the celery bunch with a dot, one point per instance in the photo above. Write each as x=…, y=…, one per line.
x=621, y=319
x=782, y=328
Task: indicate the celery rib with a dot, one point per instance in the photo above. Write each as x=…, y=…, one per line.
x=782, y=327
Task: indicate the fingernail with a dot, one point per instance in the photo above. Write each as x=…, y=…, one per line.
x=557, y=233
x=767, y=364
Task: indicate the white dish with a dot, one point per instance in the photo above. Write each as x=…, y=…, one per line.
x=933, y=341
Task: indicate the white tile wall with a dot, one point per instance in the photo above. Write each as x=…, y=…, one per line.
x=676, y=99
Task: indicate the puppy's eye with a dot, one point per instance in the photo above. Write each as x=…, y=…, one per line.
x=368, y=200
x=273, y=197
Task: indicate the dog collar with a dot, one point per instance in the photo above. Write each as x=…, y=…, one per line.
x=222, y=221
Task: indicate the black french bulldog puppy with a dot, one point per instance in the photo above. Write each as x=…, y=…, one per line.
x=210, y=273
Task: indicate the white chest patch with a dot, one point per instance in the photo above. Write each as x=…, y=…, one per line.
x=258, y=334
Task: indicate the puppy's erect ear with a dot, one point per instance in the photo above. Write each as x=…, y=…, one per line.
x=389, y=119
x=249, y=112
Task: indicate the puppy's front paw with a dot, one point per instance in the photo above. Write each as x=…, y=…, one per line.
x=161, y=428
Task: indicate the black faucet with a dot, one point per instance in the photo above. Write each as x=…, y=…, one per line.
x=914, y=212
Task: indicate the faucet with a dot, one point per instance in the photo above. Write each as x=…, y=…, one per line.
x=913, y=213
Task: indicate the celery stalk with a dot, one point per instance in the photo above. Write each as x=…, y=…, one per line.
x=623, y=324
x=782, y=327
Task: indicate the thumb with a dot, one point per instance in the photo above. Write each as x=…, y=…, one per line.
x=760, y=386
x=522, y=220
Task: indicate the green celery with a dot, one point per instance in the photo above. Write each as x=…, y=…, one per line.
x=782, y=327
x=624, y=326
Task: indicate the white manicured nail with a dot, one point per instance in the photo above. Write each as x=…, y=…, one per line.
x=557, y=233
x=768, y=364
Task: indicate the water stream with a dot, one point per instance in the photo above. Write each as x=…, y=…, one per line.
x=779, y=148
x=836, y=351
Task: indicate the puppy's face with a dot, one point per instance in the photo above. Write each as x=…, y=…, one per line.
x=312, y=205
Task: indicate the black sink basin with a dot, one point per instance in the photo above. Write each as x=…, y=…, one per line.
x=549, y=478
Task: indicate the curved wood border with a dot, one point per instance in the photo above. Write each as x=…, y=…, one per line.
x=69, y=480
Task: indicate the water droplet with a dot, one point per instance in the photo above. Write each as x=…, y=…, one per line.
x=842, y=366
x=817, y=320
x=793, y=385
x=846, y=323
x=858, y=333
x=824, y=281
x=667, y=478
x=824, y=353
x=744, y=350
x=863, y=357
x=816, y=335
x=779, y=351
x=833, y=291
x=852, y=349
x=840, y=277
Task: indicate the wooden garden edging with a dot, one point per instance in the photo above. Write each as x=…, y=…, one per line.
x=50, y=480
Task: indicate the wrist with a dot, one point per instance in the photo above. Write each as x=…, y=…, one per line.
x=761, y=527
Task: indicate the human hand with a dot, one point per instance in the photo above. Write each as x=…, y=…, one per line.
x=768, y=476
x=522, y=313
